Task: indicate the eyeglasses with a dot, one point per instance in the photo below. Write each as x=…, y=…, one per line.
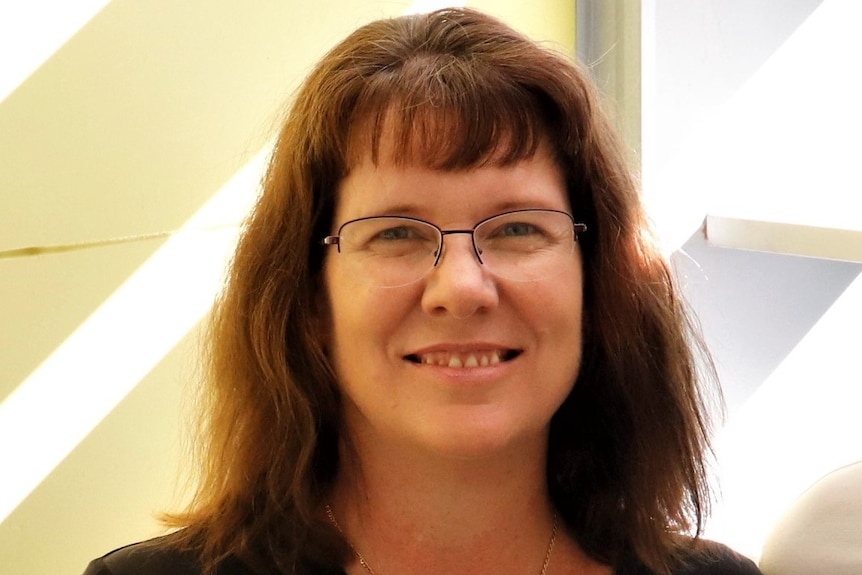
x=521, y=245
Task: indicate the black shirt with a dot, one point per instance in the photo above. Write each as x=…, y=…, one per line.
x=155, y=558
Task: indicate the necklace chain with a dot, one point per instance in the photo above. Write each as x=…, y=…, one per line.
x=370, y=571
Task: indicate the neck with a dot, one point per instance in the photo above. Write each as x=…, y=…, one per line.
x=412, y=512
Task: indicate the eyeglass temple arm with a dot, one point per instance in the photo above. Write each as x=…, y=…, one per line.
x=579, y=229
x=332, y=241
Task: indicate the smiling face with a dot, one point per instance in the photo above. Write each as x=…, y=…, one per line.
x=460, y=363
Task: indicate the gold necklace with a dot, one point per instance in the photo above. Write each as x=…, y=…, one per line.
x=370, y=571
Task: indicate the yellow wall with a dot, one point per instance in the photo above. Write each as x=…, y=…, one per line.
x=550, y=21
x=107, y=151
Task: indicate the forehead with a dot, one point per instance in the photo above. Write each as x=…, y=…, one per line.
x=388, y=185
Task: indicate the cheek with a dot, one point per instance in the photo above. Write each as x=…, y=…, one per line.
x=559, y=303
x=363, y=320
x=561, y=328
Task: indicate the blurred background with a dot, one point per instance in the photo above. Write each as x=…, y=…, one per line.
x=132, y=138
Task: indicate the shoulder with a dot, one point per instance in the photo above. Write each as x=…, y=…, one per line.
x=703, y=558
x=711, y=558
x=163, y=556
x=156, y=557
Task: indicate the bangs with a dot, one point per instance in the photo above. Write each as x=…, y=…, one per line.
x=444, y=112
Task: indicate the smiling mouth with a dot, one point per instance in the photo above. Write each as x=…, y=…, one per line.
x=462, y=360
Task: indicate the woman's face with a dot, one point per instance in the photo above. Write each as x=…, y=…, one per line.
x=387, y=344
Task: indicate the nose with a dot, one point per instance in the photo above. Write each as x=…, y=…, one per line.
x=460, y=285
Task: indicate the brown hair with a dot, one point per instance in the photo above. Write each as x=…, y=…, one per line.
x=627, y=449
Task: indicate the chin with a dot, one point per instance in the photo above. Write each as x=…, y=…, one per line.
x=466, y=441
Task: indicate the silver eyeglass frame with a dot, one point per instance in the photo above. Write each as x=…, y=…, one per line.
x=335, y=240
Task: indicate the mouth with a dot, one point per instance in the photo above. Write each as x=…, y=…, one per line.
x=479, y=358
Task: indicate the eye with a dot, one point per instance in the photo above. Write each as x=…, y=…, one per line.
x=385, y=237
x=404, y=232
x=523, y=232
x=516, y=229
x=399, y=233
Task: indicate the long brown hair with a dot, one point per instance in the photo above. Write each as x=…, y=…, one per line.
x=626, y=465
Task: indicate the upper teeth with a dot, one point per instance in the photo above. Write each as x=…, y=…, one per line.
x=472, y=359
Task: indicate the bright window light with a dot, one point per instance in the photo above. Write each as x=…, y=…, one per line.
x=777, y=167
x=67, y=396
x=31, y=31
x=801, y=423
x=784, y=148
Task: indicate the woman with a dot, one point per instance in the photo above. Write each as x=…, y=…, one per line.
x=447, y=344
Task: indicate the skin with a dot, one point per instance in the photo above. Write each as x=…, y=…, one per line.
x=378, y=334
x=447, y=464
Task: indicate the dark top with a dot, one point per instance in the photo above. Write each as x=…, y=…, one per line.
x=155, y=558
